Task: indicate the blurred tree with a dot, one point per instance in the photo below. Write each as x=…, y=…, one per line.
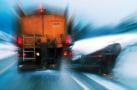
x=129, y=24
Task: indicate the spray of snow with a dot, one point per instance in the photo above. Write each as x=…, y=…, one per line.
x=125, y=68
x=87, y=46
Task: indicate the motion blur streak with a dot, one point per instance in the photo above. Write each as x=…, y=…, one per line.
x=106, y=83
x=87, y=46
x=6, y=68
x=6, y=50
x=124, y=70
x=5, y=36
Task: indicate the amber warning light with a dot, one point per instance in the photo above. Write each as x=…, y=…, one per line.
x=41, y=10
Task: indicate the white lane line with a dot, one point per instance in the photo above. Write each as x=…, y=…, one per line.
x=6, y=68
x=107, y=84
x=80, y=83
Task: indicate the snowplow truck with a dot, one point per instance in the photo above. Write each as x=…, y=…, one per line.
x=42, y=39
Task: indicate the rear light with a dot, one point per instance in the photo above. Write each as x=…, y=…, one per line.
x=67, y=53
x=67, y=39
x=19, y=54
x=24, y=54
x=19, y=41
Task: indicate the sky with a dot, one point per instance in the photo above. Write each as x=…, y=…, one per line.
x=7, y=16
x=98, y=13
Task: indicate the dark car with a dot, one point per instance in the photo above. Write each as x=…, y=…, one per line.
x=102, y=60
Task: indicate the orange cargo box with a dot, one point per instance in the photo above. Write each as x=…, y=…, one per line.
x=44, y=26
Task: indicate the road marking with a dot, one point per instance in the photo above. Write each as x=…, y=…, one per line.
x=80, y=83
x=6, y=68
x=107, y=84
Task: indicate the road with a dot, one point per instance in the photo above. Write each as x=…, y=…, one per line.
x=65, y=79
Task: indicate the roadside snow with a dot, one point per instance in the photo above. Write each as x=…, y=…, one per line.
x=125, y=68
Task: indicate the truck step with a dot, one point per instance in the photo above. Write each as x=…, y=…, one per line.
x=29, y=44
x=29, y=58
x=30, y=51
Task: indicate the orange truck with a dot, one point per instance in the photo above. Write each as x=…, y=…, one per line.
x=42, y=39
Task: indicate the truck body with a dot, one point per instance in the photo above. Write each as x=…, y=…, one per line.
x=42, y=39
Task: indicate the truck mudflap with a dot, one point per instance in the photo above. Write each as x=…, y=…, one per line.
x=50, y=55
